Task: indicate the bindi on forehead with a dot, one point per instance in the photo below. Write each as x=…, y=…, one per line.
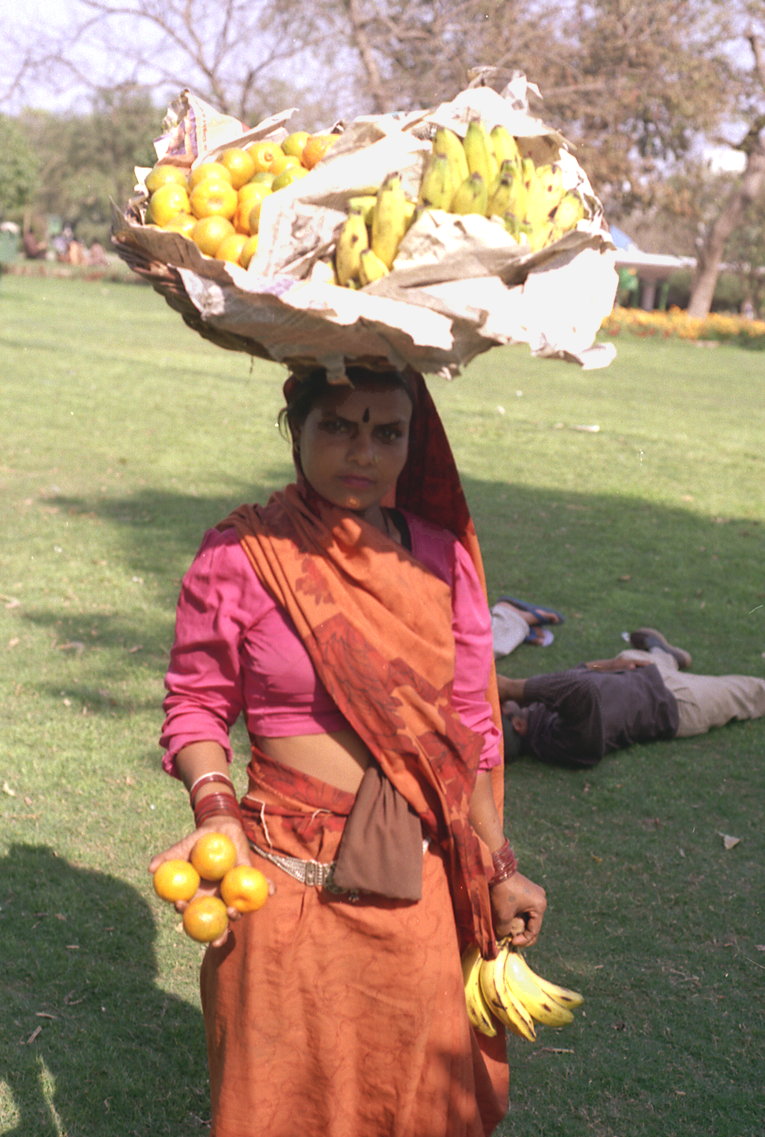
x=365, y=417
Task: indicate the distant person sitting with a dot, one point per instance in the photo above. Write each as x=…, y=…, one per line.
x=97, y=254
x=34, y=249
x=644, y=694
x=514, y=622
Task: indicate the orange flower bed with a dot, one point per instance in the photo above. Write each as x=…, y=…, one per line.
x=676, y=323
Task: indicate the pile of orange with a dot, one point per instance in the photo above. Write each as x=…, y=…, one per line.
x=213, y=859
x=217, y=204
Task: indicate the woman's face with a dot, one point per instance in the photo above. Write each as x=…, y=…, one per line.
x=353, y=445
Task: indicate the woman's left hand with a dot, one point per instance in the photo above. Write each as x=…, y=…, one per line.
x=516, y=898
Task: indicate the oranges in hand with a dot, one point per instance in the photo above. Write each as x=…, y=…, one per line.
x=244, y=888
x=176, y=880
x=213, y=858
x=205, y=919
x=213, y=855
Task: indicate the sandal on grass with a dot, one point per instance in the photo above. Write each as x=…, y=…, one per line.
x=539, y=637
x=543, y=615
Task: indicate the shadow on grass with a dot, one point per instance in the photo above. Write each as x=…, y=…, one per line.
x=90, y=1044
x=607, y=561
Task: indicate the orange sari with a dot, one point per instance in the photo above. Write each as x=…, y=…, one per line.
x=351, y=1015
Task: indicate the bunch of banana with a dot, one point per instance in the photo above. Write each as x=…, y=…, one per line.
x=486, y=173
x=507, y=990
x=369, y=237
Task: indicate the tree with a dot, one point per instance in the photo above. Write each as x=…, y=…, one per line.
x=714, y=240
x=243, y=56
x=87, y=161
x=414, y=53
x=18, y=170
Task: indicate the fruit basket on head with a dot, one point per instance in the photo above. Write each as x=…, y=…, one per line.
x=421, y=238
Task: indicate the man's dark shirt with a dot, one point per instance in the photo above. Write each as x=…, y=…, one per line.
x=577, y=716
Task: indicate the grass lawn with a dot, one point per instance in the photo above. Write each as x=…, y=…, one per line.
x=124, y=435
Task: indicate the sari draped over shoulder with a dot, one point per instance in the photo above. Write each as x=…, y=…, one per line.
x=348, y=1019
x=377, y=626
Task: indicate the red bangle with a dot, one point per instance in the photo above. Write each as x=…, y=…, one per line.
x=204, y=780
x=214, y=804
x=504, y=862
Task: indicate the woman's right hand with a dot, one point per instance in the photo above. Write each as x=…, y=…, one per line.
x=181, y=850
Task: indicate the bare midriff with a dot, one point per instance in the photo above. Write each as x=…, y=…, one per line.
x=339, y=758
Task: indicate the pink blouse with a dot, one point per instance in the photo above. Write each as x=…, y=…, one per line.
x=237, y=652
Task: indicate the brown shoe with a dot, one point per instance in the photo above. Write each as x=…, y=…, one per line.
x=646, y=638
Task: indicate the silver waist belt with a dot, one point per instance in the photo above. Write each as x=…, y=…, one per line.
x=315, y=874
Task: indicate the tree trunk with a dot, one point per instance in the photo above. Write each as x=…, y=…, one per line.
x=712, y=250
x=361, y=39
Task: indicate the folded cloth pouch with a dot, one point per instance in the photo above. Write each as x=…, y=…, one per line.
x=381, y=848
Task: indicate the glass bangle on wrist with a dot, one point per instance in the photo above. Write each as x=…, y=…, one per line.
x=504, y=862
x=215, y=805
x=206, y=779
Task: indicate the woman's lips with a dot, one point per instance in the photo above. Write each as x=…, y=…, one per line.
x=356, y=481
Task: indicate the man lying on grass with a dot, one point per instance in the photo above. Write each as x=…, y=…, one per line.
x=643, y=694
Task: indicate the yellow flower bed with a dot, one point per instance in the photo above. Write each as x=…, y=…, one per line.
x=676, y=322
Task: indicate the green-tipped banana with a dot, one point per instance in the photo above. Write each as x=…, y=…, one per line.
x=501, y=1000
x=438, y=185
x=364, y=203
x=545, y=194
x=517, y=195
x=504, y=146
x=522, y=982
x=501, y=195
x=449, y=144
x=478, y=1012
x=471, y=197
x=516, y=228
x=351, y=242
x=371, y=268
x=390, y=219
x=479, y=152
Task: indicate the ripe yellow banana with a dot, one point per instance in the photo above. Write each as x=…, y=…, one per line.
x=438, y=184
x=390, y=219
x=542, y=235
x=504, y=146
x=479, y=152
x=545, y=193
x=502, y=1003
x=562, y=995
x=523, y=984
x=449, y=144
x=569, y=212
x=371, y=268
x=471, y=197
x=352, y=240
x=478, y=1012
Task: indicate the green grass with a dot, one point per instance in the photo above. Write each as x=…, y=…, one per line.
x=124, y=436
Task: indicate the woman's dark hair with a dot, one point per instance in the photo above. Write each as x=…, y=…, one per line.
x=304, y=393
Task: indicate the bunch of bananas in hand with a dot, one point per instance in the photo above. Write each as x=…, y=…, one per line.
x=487, y=173
x=506, y=989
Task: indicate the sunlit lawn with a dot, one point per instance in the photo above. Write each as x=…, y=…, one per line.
x=626, y=496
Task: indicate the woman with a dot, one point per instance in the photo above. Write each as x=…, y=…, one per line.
x=355, y=639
